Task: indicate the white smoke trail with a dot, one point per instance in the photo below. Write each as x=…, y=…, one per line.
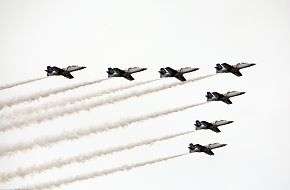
x=6, y=86
x=58, y=163
x=72, y=179
x=53, y=114
x=71, y=100
x=76, y=134
x=47, y=93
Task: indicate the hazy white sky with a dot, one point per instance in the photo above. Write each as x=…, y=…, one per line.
x=154, y=34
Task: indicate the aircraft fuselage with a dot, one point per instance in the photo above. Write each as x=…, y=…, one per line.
x=51, y=71
x=116, y=72
x=224, y=96
x=206, y=149
x=206, y=125
x=234, y=68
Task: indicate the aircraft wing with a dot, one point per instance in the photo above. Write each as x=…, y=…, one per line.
x=128, y=77
x=227, y=101
x=237, y=73
x=63, y=72
x=218, y=95
x=209, y=152
x=58, y=70
x=120, y=71
x=206, y=123
x=200, y=147
x=231, y=69
x=215, y=129
x=227, y=66
x=222, y=98
x=67, y=75
x=180, y=77
x=171, y=71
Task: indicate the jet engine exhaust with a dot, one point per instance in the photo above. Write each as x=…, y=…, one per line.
x=72, y=179
x=58, y=163
x=76, y=134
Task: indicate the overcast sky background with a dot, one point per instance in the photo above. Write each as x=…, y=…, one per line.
x=154, y=34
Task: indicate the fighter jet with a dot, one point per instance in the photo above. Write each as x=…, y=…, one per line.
x=64, y=72
x=235, y=69
x=215, y=96
x=206, y=149
x=169, y=72
x=116, y=72
x=212, y=126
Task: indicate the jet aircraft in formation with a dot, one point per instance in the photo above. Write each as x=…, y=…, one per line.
x=212, y=126
x=169, y=72
x=51, y=71
x=215, y=96
x=206, y=149
x=116, y=72
x=164, y=72
x=234, y=69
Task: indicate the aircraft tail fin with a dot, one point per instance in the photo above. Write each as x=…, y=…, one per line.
x=191, y=146
x=197, y=123
x=162, y=71
x=110, y=71
x=49, y=69
x=209, y=95
x=218, y=67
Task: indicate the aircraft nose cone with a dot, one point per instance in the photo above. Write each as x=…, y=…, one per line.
x=243, y=92
x=231, y=121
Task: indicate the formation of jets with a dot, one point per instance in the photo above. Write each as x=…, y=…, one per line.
x=164, y=72
x=178, y=74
